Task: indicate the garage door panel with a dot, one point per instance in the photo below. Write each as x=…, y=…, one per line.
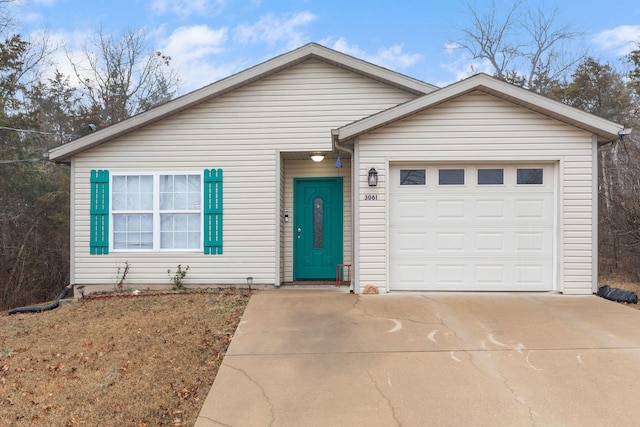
x=490, y=275
x=490, y=209
x=411, y=242
x=451, y=242
x=472, y=237
x=450, y=209
x=490, y=242
x=410, y=209
x=450, y=275
x=531, y=242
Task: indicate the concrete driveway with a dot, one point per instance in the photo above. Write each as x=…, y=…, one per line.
x=324, y=358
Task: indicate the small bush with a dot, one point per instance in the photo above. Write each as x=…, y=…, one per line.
x=177, y=278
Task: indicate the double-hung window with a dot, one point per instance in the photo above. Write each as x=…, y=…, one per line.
x=157, y=211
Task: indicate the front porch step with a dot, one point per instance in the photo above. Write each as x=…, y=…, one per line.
x=310, y=283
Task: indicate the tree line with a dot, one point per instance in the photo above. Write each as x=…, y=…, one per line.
x=117, y=77
x=114, y=78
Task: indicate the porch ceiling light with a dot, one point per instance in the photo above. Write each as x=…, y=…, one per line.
x=373, y=177
x=317, y=157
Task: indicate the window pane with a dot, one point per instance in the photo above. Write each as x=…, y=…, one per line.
x=132, y=192
x=529, y=176
x=451, y=176
x=146, y=240
x=180, y=240
x=146, y=184
x=133, y=184
x=180, y=222
x=146, y=201
x=119, y=184
x=166, y=201
x=166, y=192
x=194, y=240
x=119, y=222
x=180, y=201
x=194, y=184
x=193, y=201
x=412, y=177
x=179, y=192
x=118, y=200
x=119, y=240
x=180, y=183
x=490, y=176
x=133, y=231
x=180, y=231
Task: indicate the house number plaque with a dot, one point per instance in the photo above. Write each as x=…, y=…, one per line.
x=371, y=197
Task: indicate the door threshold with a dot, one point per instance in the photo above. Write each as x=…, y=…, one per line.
x=324, y=285
x=314, y=283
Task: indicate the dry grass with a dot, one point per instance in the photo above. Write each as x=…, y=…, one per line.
x=138, y=361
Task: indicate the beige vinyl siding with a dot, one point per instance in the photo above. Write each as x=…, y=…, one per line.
x=481, y=128
x=243, y=133
x=307, y=169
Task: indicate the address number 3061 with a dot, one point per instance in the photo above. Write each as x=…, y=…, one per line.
x=371, y=197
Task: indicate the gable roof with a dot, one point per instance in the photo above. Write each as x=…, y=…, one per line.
x=226, y=85
x=605, y=130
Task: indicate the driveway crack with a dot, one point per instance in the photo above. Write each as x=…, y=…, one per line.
x=393, y=411
x=262, y=391
x=518, y=400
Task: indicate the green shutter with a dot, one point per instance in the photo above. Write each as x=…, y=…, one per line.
x=99, y=212
x=213, y=211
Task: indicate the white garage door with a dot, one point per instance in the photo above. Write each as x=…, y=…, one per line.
x=470, y=227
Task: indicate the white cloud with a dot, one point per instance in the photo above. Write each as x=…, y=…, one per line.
x=465, y=67
x=186, y=8
x=195, y=42
x=191, y=50
x=271, y=29
x=68, y=46
x=451, y=48
x=389, y=57
x=620, y=40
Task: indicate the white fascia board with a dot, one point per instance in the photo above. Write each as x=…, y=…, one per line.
x=272, y=66
x=605, y=129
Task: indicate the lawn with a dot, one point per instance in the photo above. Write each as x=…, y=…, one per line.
x=141, y=360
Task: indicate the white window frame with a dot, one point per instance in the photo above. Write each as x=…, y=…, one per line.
x=156, y=212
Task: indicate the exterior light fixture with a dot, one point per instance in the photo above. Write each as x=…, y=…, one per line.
x=249, y=282
x=317, y=157
x=373, y=177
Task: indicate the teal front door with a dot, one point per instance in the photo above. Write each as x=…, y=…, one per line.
x=317, y=227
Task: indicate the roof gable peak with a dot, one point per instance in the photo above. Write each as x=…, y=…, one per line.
x=236, y=81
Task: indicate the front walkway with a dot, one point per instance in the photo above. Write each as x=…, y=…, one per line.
x=322, y=358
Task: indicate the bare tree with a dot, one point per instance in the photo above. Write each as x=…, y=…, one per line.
x=525, y=46
x=123, y=77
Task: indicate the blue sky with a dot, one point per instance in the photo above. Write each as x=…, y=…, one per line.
x=210, y=39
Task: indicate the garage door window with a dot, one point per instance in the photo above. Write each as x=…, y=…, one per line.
x=412, y=177
x=490, y=176
x=529, y=176
x=451, y=176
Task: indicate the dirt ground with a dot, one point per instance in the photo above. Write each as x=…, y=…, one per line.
x=115, y=361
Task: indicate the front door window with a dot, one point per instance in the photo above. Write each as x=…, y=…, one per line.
x=317, y=223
